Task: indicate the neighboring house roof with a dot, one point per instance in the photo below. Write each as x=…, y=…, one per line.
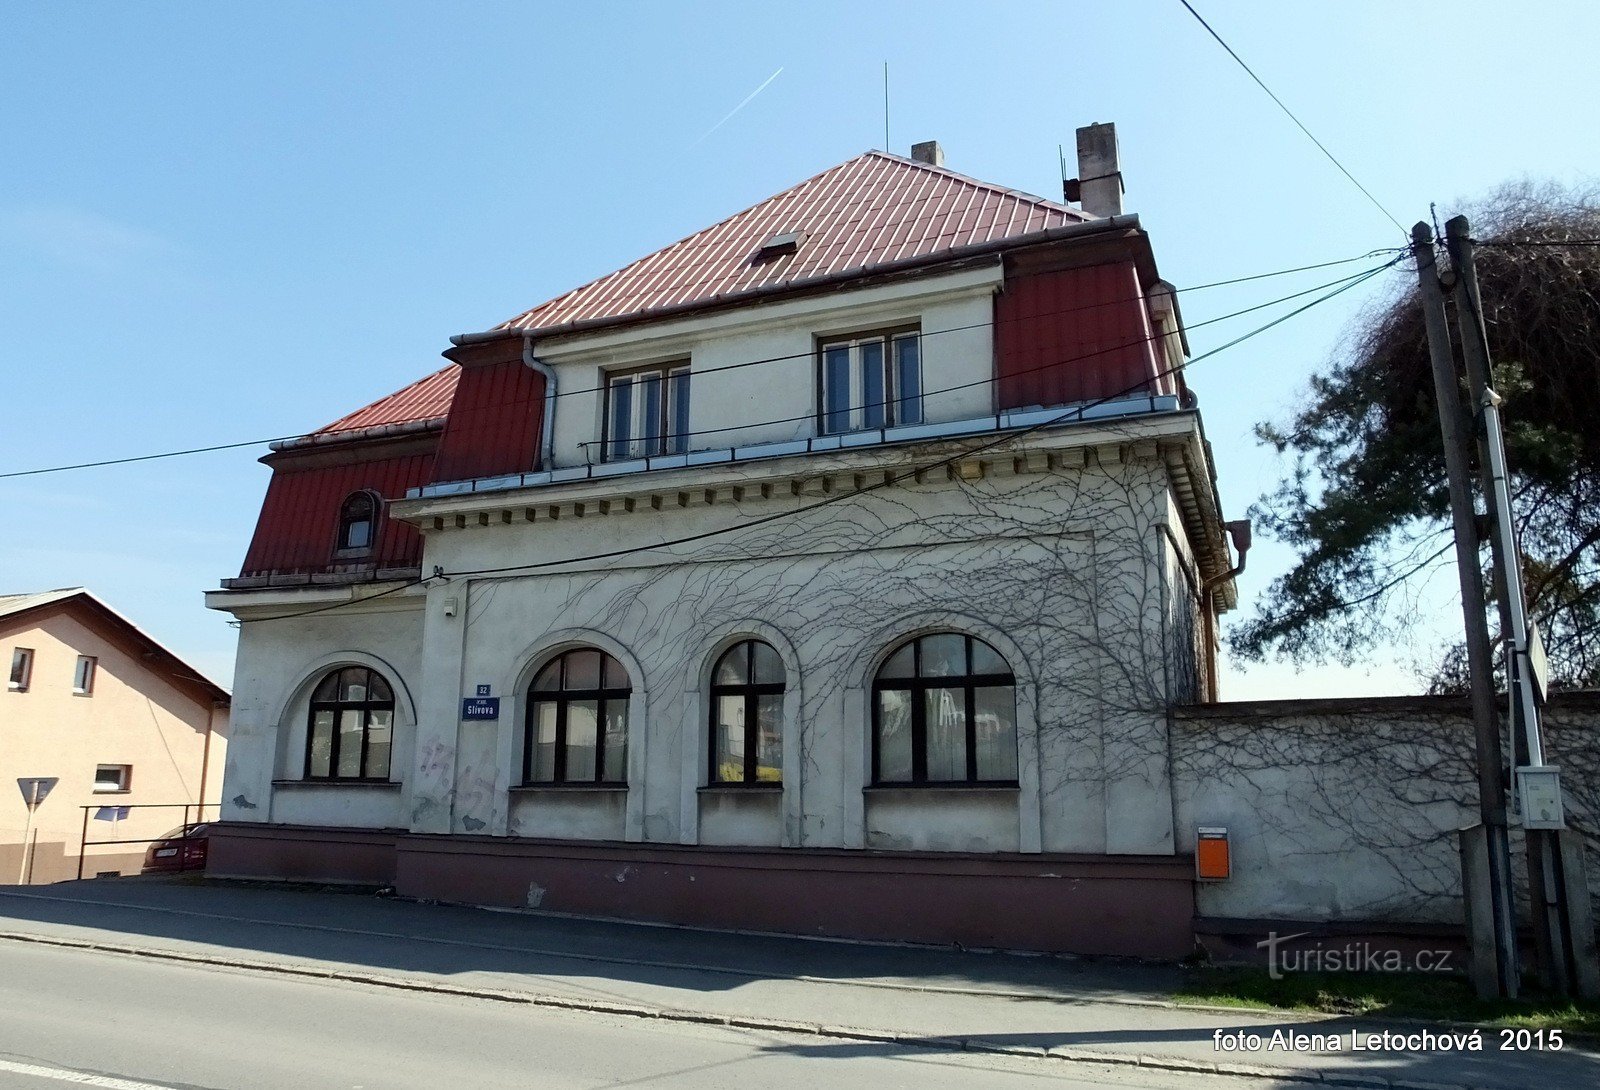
x=426, y=399
x=876, y=209
x=16, y=606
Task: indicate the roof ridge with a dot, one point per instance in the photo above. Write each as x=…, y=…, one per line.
x=1020, y=194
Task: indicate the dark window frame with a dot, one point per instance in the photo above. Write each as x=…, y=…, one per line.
x=84, y=673
x=892, y=395
x=752, y=691
x=917, y=685
x=19, y=680
x=367, y=705
x=668, y=439
x=341, y=545
x=563, y=699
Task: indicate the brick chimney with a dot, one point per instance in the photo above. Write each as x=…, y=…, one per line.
x=928, y=152
x=1099, y=181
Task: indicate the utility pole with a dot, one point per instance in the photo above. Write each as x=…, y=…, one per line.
x=1498, y=929
x=1561, y=941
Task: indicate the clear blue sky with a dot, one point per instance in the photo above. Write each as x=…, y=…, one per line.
x=223, y=222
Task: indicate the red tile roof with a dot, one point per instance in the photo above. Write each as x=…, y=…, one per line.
x=872, y=210
x=426, y=399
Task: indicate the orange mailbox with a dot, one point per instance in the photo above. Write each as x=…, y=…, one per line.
x=1212, y=858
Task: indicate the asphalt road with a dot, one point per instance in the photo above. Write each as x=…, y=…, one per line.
x=72, y=1017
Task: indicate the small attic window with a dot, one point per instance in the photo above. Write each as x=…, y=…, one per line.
x=778, y=245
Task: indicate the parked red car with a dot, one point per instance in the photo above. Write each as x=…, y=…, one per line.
x=182, y=849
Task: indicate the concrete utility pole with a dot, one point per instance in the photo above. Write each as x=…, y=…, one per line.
x=1562, y=929
x=1490, y=911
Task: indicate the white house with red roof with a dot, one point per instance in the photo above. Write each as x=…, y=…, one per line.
x=831, y=570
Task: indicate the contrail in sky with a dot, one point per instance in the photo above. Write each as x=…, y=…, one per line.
x=739, y=107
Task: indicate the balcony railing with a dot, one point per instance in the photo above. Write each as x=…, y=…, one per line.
x=1010, y=420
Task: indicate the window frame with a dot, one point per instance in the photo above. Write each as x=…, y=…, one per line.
x=751, y=691
x=563, y=698
x=19, y=679
x=917, y=685
x=124, y=783
x=83, y=675
x=675, y=400
x=890, y=380
x=341, y=548
x=367, y=705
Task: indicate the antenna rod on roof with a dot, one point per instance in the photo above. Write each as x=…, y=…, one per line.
x=885, y=105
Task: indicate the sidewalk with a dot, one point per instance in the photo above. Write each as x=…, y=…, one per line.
x=916, y=997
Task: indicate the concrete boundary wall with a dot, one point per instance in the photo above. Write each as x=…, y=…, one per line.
x=1345, y=811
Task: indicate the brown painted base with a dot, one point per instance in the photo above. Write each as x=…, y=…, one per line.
x=302, y=853
x=1116, y=905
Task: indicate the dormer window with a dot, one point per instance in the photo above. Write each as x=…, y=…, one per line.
x=871, y=380
x=358, y=523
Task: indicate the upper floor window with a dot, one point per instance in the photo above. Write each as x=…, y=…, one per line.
x=83, y=675
x=647, y=412
x=21, y=668
x=351, y=728
x=358, y=522
x=872, y=380
x=747, y=715
x=944, y=711
x=577, y=726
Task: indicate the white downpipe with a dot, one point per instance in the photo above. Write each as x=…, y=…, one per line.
x=547, y=436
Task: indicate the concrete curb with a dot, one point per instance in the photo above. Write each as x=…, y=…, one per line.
x=1065, y=1053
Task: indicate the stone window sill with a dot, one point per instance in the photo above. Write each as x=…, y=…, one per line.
x=375, y=785
x=541, y=788
x=761, y=787
x=959, y=788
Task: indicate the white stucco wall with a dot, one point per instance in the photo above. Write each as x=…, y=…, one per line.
x=1049, y=551
x=954, y=311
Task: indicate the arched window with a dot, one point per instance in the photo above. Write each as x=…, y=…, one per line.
x=747, y=715
x=577, y=728
x=351, y=728
x=358, y=522
x=944, y=711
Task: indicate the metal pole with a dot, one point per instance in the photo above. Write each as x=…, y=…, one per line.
x=1552, y=942
x=27, y=829
x=83, y=841
x=1485, y=718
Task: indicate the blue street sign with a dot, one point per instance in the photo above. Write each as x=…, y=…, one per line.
x=480, y=707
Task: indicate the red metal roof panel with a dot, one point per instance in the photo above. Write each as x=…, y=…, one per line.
x=871, y=210
x=426, y=399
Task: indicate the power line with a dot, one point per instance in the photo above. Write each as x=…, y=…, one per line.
x=709, y=370
x=1290, y=113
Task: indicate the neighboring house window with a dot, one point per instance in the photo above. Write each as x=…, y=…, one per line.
x=83, y=676
x=647, y=412
x=110, y=779
x=944, y=711
x=577, y=727
x=747, y=715
x=350, y=732
x=873, y=380
x=21, y=668
x=358, y=522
